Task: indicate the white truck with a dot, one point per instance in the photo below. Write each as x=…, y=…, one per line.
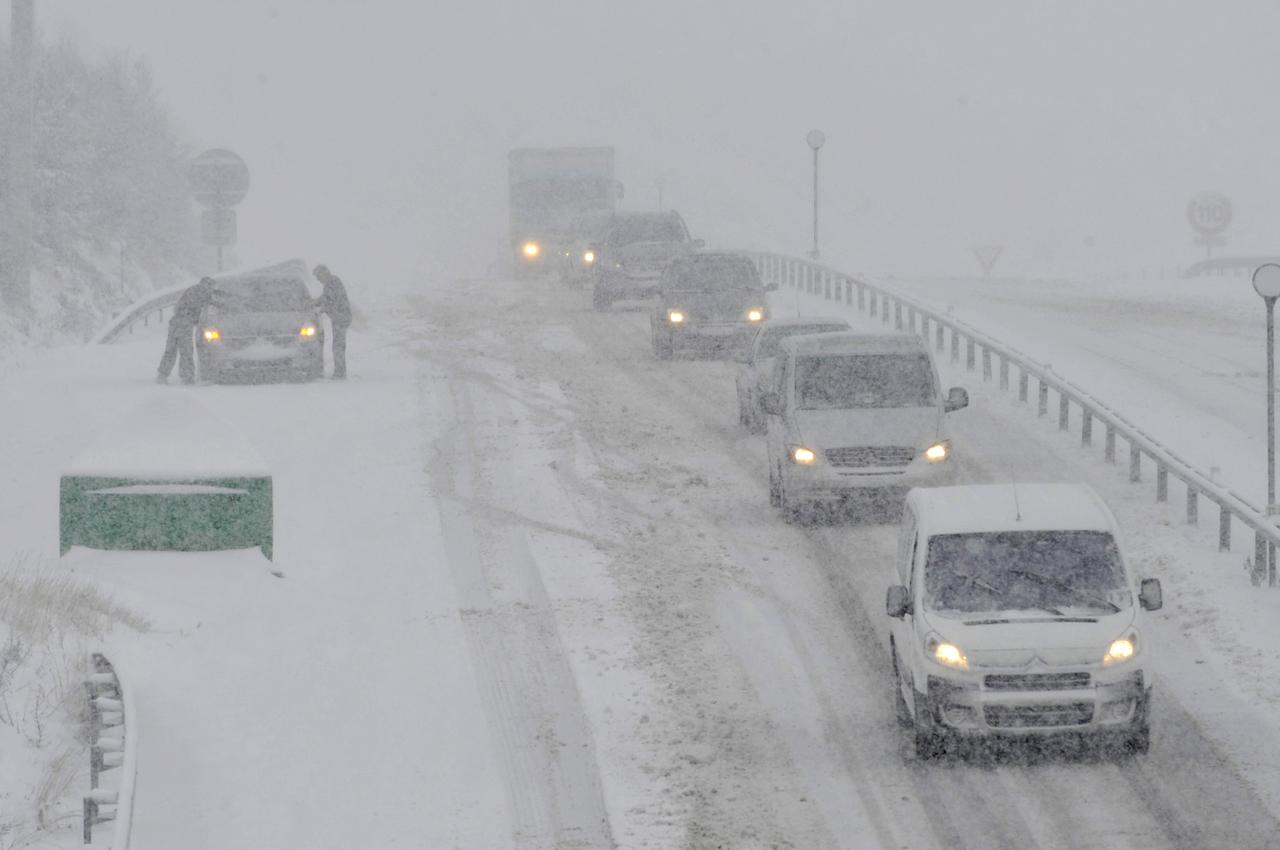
x=560, y=200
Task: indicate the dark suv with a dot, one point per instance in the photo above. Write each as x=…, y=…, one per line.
x=634, y=252
x=709, y=301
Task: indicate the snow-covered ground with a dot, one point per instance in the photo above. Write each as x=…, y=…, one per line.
x=534, y=596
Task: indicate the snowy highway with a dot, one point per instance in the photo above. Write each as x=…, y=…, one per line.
x=539, y=600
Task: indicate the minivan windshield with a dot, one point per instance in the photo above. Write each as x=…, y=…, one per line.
x=714, y=276
x=846, y=381
x=1024, y=570
x=628, y=230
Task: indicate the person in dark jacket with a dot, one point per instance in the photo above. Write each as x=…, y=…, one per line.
x=333, y=302
x=179, y=344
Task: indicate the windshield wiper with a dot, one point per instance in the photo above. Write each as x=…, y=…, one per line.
x=1078, y=592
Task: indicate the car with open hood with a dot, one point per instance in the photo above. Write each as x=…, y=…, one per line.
x=261, y=325
x=1014, y=613
x=847, y=413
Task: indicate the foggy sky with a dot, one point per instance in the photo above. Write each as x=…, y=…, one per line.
x=377, y=131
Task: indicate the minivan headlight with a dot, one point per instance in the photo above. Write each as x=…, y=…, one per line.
x=307, y=330
x=588, y=257
x=755, y=314
x=675, y=317
x=212, y=335
x=937, y=452
x=1121, y=649
x=802, y=455
x=945, y=653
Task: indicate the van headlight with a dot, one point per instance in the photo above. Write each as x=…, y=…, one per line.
x=675, y=317
x=588, y=257
x=1121, y=649
x=755, y=314
x=212, y=335
x=307, y=331
x=802, y=455
x=945, y=653
x=937, y=452
x=531, y=250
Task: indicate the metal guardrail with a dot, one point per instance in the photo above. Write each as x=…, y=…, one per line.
x=113, y=747
x=907, y=314
x=145, y=310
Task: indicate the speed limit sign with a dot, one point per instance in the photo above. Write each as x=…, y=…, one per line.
x=1209, y=213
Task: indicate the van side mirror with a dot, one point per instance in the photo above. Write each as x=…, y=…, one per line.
x=957, y=399
x=1150, y=595
x=771, y=403
x=897, y=602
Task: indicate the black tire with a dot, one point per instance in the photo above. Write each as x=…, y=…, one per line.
x=928, y=740
x=902, y=713
x=1138, y=742
x=792, y=512
x=775, y=492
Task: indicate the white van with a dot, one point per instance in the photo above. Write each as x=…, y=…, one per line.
x=853, y=411
x=1014, y=613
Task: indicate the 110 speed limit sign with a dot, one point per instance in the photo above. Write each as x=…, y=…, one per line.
x=1209, y=213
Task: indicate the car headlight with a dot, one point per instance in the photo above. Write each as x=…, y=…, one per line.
x=937, y=452
x=755, y=314
x=307, y=330
x=588, y=257
x=802, y=455
x=1121, y=649
x=946, y=654
x=675, y=317
x=211, y=335
x=531, y=250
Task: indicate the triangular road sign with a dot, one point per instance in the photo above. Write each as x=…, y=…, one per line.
x=986, y=256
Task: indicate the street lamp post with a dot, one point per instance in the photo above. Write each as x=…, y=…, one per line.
x=816, y=140
x=1266, y=282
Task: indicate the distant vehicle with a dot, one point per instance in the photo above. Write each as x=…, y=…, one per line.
x=635, y=252
x=756, y=363
x=708, y=301
x=262, y=325
x=553, y=193
x=1013, y=613
x=849, y=412
x=577, y=261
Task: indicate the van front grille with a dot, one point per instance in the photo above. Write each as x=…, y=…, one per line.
x=863, y=456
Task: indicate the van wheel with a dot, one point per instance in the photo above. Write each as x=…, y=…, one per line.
x=928, y=739
x=663, y=345
x=900, y=708
x=775, y=491
x=792, y=511
x=600, y=299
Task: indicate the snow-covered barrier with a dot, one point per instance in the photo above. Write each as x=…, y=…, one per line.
x=113, y=756
x=146, y=310
x=1000, y=360
x=174, y=477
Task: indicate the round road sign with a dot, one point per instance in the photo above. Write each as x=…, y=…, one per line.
x=1266, y=280
x=1209, y=213
x=816, y=139
x=219, y=178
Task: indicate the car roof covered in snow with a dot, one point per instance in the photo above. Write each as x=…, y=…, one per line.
x=977, y=508
x=850, y=342
x=289, y=270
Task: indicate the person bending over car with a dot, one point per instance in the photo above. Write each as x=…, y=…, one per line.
x=333, y=302
x=179, y=344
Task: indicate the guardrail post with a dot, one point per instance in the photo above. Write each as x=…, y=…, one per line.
x=955, y=346
x=1193, y=506
x=1162, y=483
x=1022, y=385
x=848, y=291
x=1135, y=463
x=1259, y=559
x=826, y=285
x=986, y=364
x=874, y=302
x=1224, y=528
x=1086, y=426
x=884, y=314
x=969, y=355
x=897, y=315
x=1004, y=372
x=862, y=297
x=1044, y=398
x=942, y=335
x=924, y=328
x=911, y=319
x=1064, y=411
x=1109, y=452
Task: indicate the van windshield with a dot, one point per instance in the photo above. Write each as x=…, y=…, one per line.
x=262, y=295
x=1025, y=570
x=842, y=382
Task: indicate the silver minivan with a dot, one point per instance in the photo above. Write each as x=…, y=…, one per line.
x=1013, y=613
x=851, y=412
